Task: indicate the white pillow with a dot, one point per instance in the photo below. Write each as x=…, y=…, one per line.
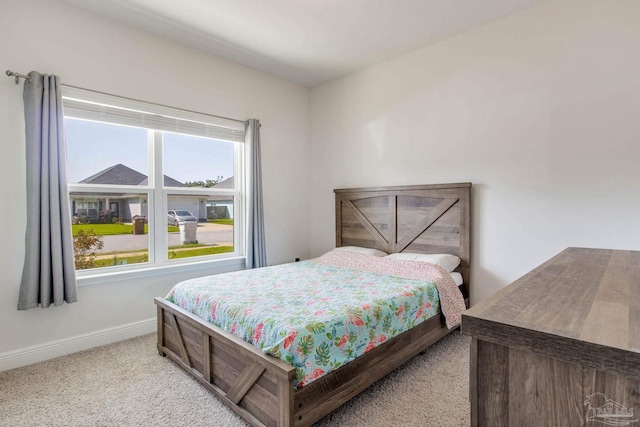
x=446, y=261
x=457, y=277
x=360, y=250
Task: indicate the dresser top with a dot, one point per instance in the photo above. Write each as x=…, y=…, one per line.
x=589, y=296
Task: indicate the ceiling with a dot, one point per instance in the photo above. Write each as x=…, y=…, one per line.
x=305, y=41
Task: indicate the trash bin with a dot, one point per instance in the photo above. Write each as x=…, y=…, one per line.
x=188, y=232
x=138, y=224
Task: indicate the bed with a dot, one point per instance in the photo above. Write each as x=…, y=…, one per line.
x=262, y=389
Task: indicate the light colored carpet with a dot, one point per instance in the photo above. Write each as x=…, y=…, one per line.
x=129, y=384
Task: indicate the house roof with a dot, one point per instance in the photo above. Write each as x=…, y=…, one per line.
x=168, y=182
x=123, y=175
x=227, y=183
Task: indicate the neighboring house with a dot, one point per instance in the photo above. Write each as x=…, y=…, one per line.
x=126, y=206
x=221, y=207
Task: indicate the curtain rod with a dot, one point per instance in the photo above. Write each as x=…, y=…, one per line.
x=19, y=76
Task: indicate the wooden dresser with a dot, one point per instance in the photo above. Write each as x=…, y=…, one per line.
x=561, y=345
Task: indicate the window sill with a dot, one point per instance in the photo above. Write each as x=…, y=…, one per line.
x=206, y=267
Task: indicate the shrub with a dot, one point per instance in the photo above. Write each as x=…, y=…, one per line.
x=80, y=219
x=85, y=243
x=106, y=216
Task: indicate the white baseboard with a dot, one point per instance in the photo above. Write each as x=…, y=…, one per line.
x=49, y=350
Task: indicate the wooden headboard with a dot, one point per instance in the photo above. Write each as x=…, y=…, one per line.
x=418, y=218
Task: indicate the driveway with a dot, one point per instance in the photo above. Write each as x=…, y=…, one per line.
x=206, y=233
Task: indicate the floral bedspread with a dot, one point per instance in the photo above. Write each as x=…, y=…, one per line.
x=320, y=314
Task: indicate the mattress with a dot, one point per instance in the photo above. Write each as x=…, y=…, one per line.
x=320, y=314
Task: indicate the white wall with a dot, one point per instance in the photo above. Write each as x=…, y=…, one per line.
x=540, y=111
x=94, y=53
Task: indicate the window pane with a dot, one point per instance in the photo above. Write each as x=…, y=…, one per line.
x=200, y=225
x=191, y=161
x=109, y=229
x=102, y=153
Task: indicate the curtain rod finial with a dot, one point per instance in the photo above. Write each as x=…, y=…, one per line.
x=17, y=76
x=10, y=74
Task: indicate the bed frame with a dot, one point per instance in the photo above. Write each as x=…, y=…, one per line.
x=424, y=219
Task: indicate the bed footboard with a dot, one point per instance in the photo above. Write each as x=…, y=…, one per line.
x=257, y=387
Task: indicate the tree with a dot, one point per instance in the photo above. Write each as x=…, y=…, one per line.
x=206, y=184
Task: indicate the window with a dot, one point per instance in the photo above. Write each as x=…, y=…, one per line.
x=150, y=184
x=85, y=208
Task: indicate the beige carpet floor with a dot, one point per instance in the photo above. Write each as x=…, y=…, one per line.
x=129, y=384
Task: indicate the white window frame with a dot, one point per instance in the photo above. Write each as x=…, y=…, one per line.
x=129, y=112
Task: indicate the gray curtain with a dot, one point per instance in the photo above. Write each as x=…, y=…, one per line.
x=49, y=275
x=256, y=250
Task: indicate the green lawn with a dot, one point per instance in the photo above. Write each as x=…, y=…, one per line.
x=211, y=250
x=188, y=245
x=134, y=259
x=143, y=256
x=112, y=229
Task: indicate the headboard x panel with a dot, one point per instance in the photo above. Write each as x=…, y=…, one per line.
x=417, y=218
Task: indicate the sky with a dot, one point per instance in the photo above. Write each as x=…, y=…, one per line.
x=93, y=147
